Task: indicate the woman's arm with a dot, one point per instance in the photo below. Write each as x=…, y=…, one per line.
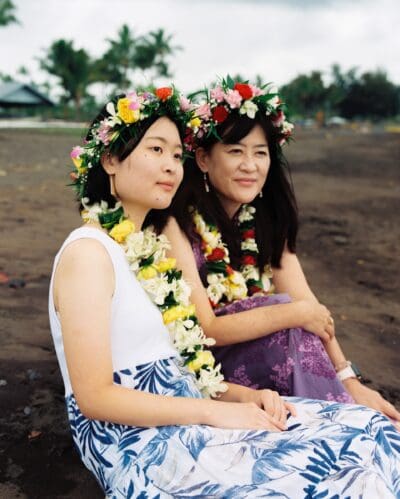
x=250, y=324
x=83, y=289
x=290, y=279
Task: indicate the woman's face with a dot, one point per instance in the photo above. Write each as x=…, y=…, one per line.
x=237, y=171
x=149, y=177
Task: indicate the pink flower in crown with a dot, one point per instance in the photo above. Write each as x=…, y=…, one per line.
x=76, y=152
x=184, y=103
x=204, y=111
x=217, y=94
x=103, y=132
x=134, y=101
x=279, y=118
x=256, y=91
x=233, y=98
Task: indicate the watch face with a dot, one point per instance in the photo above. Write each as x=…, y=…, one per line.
x=357, y=372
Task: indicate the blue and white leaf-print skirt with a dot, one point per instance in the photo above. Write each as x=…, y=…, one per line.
x=330, y=450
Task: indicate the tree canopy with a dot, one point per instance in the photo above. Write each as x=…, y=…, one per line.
x=7, y=15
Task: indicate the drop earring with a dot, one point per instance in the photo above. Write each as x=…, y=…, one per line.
x=260, y=195
x=206, y=186
x=113, y=190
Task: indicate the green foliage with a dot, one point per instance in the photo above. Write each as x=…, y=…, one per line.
x=114, y=66
x=73, y=67
x=126, y=54
x=306, y=94
x=7, y=13
x=370, y=95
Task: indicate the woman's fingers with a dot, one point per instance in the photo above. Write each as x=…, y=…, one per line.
x=274, y=407
x=390, y=410
x=291, y=408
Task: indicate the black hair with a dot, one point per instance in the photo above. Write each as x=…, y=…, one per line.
x=97, y=186
x=276, y=219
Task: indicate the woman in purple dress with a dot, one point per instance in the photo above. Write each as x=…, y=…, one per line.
x=233, y=232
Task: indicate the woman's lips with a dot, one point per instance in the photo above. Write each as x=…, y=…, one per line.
x=167, y=186
x=246, y=181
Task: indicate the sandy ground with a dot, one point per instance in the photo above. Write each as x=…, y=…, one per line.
x=348, y=188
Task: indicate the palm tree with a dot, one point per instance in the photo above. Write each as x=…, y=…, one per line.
x=7, y=13
x=72, y=67
x=118, y=61
x=153, y=51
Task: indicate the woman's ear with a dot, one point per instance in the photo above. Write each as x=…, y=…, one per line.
x=109, y=163
x=202, y=159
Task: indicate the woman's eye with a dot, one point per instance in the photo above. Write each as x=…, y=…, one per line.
x=156, y=149
x=262, y=153
x=235, y=151
x=178, y=156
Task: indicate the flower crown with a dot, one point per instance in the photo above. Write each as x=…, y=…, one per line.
x=242, y=98
x=120, y=123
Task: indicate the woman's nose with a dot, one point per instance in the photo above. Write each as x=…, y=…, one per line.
x=248, y=163
x=170, y=163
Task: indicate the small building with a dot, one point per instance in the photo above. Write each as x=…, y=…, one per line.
x=21, y=95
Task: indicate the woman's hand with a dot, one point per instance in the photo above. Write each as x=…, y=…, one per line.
x=317, y=319
x=243, y=415
x=371, y=398
x=272, y=403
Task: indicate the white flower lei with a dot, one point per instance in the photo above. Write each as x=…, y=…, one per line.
x=229, y=283
x=146, y=255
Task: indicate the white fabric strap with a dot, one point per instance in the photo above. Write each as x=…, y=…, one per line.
x=346, y=373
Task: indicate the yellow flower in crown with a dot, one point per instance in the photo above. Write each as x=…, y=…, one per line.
x=125, y=112
x=166, y=264
x=120, y=231
x=195, y=122
x=178, y=312
x=147, y=272
x=203, y=358
x=76, y=156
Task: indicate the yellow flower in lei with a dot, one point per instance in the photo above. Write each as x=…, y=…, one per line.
x=203, y=358
x=147, y=272
x=120, y=231
x=125, y=113
x=167, y=264
x=178, y=312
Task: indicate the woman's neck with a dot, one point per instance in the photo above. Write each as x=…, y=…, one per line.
x=135, y=214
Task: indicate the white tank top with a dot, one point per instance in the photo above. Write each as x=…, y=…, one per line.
x=138, y=334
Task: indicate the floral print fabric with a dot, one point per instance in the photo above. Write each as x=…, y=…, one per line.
x=329, y=450
x=293, y=361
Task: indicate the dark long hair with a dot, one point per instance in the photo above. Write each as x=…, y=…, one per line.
x=276, y=219
x=97, y=187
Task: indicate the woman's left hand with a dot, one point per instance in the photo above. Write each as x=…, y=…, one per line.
x=273, y=404
x=371, y=398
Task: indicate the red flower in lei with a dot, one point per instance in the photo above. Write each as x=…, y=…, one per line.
x=248, y=260
x=217, y=254
x=219, y=260
x=220, y=114
x=244, y=90
x=249, y=234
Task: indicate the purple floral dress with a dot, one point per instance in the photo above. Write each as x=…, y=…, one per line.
x=293, y=361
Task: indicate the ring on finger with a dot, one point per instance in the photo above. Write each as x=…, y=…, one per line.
x=330, y=321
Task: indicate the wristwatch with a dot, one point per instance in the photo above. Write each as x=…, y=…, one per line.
x=349, y=370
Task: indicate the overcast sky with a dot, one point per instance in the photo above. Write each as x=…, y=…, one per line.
x=277, y=39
